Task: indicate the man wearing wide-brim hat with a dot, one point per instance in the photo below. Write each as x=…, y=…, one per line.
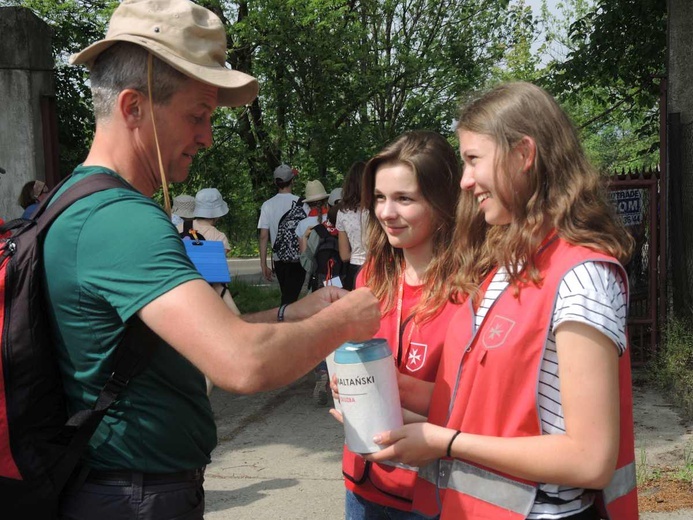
x=114, y=256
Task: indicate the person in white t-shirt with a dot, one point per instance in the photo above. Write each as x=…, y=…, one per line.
x=290, y=275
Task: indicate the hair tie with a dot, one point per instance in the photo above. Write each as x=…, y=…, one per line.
x=447, y=452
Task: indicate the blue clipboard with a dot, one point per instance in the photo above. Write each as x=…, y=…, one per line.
x=209, y=258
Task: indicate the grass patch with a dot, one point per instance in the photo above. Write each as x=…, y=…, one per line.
x=254, y=298
x=685, y=472
x=672, y=369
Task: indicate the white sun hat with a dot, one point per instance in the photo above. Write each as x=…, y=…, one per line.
x=209, y=204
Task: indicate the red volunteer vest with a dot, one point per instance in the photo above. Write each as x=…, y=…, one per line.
x=422, y=345
x=487, y=384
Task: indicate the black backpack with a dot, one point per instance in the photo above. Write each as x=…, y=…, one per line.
x=286, y=244
x=327, y=262
x=39, y=445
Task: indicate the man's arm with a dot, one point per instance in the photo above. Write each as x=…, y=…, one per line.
x=264, y=239
x=304, y=308
x=250, y=357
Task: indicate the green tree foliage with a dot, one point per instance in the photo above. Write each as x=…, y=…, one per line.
x=614, y=66
x=616, y=135
x=520, y=61
x=339, y=79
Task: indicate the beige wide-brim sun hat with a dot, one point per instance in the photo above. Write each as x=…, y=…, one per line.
x=188, y=37
x=315, y=191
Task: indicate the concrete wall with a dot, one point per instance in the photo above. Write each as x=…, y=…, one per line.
x=26, y=74
x=680, y=95
x=680, y=154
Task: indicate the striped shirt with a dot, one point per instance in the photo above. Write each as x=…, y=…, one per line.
x=593, y=293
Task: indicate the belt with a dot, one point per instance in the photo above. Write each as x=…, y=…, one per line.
x=127, y=477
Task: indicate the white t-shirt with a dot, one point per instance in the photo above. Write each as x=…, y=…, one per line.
x=306, y=223
x=353, y=223
x=272, y=210
x=592, y=293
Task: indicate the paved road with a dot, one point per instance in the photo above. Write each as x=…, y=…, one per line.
x=247, y=269
x=279, y=458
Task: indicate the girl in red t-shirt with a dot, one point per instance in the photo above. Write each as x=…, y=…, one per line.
x=410, y=190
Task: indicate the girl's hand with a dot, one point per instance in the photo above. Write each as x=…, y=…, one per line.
x=415, y=444
x=335, y=395
x=337, y=415
x=414, y=394
x=334, y=387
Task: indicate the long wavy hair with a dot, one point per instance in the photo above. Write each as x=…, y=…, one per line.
x=351, y=189
x=564, y=191
x=437, y=170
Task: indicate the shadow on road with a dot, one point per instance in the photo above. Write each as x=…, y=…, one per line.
x=217, y=500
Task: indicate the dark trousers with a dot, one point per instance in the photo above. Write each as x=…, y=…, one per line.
x=352, y=271
x=290, y=276
x=135, y=496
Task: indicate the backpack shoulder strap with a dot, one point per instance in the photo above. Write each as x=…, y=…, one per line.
x=285, y=215
x=133, y=352
x=187, y=226
x=321, y=231
x=46, y=214
x=132, y=356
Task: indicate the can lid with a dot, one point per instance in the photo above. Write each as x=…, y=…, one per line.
x=362, y=352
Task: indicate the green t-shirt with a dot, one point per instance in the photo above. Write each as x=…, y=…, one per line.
x=106, y=257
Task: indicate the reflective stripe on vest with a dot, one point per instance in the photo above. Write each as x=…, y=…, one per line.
x=622, y=483
x=481, y=484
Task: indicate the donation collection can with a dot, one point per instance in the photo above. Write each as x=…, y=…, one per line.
x=368, y=392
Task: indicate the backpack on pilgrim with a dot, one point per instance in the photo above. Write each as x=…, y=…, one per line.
x=286, y=244
x=39, y=445
x=321, y=258
x=189, y=233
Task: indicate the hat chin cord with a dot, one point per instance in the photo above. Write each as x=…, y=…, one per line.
x=164, y=184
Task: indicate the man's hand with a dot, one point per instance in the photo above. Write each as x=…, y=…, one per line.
x=266, y=271
x=359, y=309
x=264, y=241
x=362, y=310
x=313, y=303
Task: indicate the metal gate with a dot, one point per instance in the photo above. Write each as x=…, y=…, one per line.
x=638, y=197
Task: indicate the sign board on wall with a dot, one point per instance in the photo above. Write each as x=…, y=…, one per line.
x=628, y=205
